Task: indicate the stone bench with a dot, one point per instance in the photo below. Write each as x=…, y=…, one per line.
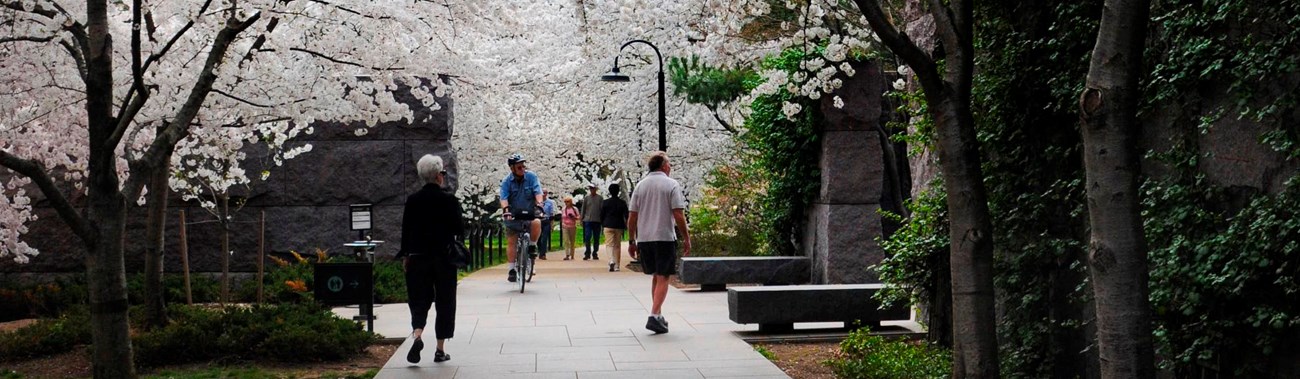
x=777, y=308
x=714, y=273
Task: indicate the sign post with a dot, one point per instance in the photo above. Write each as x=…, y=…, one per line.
x=345, y=284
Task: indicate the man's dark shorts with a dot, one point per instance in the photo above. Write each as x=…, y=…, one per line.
x=658, y=257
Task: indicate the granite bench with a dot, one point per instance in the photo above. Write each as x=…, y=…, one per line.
x=777, y=308
x=714, y=273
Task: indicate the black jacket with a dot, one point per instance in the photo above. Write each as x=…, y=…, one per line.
x=613, y=213
x=429, y=220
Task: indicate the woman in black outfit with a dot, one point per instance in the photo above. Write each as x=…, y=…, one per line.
x=429, y=222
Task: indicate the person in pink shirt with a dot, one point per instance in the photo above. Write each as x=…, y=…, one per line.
x=569, y=226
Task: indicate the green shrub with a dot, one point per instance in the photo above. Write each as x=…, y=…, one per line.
x=390, y=282
x=40, y=300
x=726, y=222
x=47, y=336
x=863, y=355
x=303, y=332
x=203, y=289
x=287, y=333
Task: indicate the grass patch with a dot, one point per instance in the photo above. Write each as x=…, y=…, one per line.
x=765, y=352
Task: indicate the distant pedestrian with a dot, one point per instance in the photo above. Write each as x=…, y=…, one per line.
x=591, y=222
x=614, y=219
x=430, y=221
x=548, y=212
x=569, y=226
x=658, y=206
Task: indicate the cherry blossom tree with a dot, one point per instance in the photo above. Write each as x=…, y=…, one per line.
x=88, y=139
x=101, y=97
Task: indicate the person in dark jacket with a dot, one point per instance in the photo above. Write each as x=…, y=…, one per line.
x=613, y=218
x=430, y=221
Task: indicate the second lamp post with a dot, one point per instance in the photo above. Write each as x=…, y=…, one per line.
x=615, y=76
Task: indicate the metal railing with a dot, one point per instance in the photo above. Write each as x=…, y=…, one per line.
x=486, y=243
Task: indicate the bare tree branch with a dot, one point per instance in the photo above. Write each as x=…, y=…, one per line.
x=901, y=45
x=343, y=62
x=38, y=173
x=239, y=99
x=77, y=57
x=26, y=39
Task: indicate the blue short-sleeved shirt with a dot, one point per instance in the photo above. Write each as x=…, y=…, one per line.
x=548, y=208
x=521, y=194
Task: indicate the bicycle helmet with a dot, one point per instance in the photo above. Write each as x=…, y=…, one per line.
x=516, y=158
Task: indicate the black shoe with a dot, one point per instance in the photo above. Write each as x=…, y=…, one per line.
x=611, y=266
x=586, y=257
x=532, y=250
x=439, y=356
x=542, y=257
x=654, y=325
x=595, y=257
x=512, y=277
x=413, y=356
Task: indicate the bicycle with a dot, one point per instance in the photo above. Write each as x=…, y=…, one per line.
x=526, y=259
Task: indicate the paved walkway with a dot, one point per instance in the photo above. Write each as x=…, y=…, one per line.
x=576, y=320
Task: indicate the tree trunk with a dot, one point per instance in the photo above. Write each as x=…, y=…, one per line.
x=106, y=208
x=106, y=275
x=155, y=309
x=975, y=347
x=940, y=317
x=948, y=95
x=1117, y=256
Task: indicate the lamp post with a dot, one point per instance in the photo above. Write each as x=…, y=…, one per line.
x=615, y=76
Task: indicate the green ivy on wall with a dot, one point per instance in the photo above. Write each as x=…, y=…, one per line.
x=787, y=151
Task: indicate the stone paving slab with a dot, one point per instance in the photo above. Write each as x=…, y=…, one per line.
x=576, y=320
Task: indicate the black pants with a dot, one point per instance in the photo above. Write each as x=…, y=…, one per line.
x=544, y=243
x=428, y=278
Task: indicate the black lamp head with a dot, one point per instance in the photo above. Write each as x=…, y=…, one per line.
x=614, y=75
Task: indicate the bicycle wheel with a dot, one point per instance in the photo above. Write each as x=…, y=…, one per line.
x=521, y=257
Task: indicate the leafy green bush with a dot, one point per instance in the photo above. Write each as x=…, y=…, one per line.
x=289, y=333
x=203, y=289
x=40, y=300
x=865, y=356
x=786, y=153
x=916, y=253
x=725, y=222
x=47, y=336
x=390, y=282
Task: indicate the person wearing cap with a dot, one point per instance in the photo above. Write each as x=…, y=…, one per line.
x=521, y=193
x=658, y=207
x=548, y=212
x=591, y=223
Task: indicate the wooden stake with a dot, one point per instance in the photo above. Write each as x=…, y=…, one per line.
x=185, y=260
x=261, y=254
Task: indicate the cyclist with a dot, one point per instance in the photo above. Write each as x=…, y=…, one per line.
x=521, y=192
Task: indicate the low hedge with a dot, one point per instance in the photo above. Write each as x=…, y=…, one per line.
x=284, y=333
x=866, y=356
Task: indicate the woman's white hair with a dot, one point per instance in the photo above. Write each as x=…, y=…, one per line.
x=428, y=167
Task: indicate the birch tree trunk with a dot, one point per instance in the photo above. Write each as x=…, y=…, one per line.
x=948, y=95
x=1117, y=255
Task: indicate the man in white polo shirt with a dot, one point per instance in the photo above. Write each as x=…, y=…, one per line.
x=658, y=206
